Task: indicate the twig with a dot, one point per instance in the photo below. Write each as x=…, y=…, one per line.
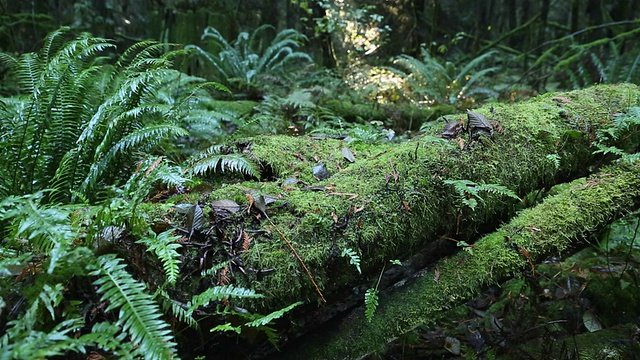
x=297, y=256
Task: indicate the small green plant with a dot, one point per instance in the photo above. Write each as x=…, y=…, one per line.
x=555, y=159
x=165, y=247
x=218, y=158
x=469, y=191
x=354, y=258
x=371, y=295
x=465, y=246
x=622, y=124
x=370, y=303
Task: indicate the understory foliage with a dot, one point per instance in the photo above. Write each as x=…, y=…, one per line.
x=89, y=137
x=76, y=164
x=80, y=122
x=431, y=82
x=253, y=62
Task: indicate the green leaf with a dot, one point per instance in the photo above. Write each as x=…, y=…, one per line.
x=265, y=320
x=217, y=293
x=371, y=303
x=165, y=247
x=354, y=259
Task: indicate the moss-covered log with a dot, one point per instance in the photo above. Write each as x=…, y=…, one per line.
x=393, y=199
x=549, y=227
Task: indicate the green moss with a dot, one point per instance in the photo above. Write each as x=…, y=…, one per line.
x=393, y=195
x=547, y=228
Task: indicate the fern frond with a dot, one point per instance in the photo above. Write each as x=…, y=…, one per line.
x=498, y=190
x=165, y=247
x=48, y=229
x=371, y=303
x=132, y=51
x=54, y=41
x=144, y=138
x=267, y=319
x=354, y=259
x=139, y=316
x=468, y=191
x=472, y=64
x=211, y=160
x=153, y=56
x=176, y=309
x=28, y=72
x=218, y=293
x=213, y=34
x=108, y=337
x=25, y=339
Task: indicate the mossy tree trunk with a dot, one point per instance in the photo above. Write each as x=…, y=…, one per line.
x=550, y=227
x=394, y=202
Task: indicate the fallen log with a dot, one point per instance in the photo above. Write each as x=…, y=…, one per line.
x=348, y=208
x=397, y=198
x=548, y=228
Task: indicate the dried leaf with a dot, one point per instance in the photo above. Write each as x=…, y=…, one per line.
x=348, y=154
x=195, y=219
x=451, y=129
x=225, y=205
x=320, y=171
x=478, y=123
x=246, y=242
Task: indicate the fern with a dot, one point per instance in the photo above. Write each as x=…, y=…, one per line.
x=354, y=259
x=267, y=319
x=468, y=191
x=227, y=327
x=108, y=337
x=139, y=316
x=238, y=64
x=46, y=228
x=165, y=247
x=176, y=309
x=24, y=338
x=81, y=121
x=256, y=321
x=217, y=293
x=555, y=159
x=621, y=124
x=212, y=160
x=436, y=83
x=370, y=303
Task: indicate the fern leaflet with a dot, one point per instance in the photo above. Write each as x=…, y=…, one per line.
x=165, y=247
x=140, y=316
x=371, y=303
